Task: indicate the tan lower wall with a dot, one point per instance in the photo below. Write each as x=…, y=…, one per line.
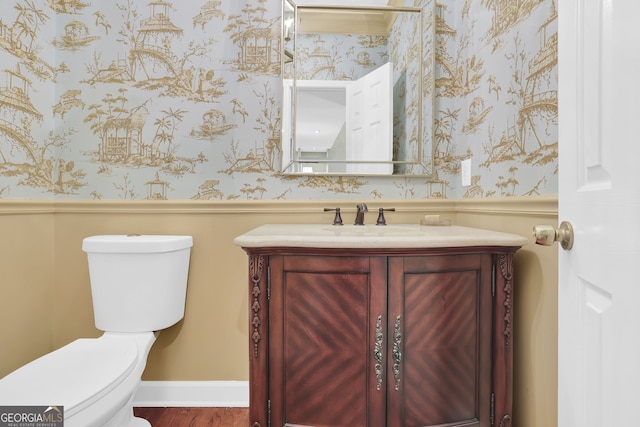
x=26, y=282
x=45, y=299
x=535, y=304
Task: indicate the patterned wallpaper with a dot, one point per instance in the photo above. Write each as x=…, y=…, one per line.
x=139, y=99
x=497, y=96
x=339, y=56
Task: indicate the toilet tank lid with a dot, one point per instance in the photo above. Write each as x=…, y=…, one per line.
x=136, y=243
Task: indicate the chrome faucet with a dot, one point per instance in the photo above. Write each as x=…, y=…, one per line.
x=361, y=208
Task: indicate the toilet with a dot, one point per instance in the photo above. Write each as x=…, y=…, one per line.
x=138, y=286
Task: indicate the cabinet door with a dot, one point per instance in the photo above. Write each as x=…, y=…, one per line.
x=325, y=341
x=440, y=341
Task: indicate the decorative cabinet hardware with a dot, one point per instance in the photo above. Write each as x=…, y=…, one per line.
x=378, y=353
x=397, y=352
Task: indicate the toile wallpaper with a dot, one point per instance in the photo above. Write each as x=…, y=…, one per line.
x=139, y=99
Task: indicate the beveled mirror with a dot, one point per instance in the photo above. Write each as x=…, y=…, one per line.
x=357, y=88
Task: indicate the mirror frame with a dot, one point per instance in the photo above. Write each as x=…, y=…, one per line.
x=423, y=164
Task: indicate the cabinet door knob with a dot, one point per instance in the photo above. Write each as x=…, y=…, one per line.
x=547, y=235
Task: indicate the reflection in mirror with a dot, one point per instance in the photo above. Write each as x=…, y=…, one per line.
x=288, y=29
x=356, y=102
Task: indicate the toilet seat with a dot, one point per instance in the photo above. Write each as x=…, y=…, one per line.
x=74, y=376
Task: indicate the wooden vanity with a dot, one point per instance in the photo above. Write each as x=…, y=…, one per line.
x=370, y=326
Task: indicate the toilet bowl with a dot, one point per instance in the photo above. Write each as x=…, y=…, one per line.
x=138, y=287
x=92, y=379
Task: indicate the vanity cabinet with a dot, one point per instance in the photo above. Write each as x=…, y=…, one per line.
x=373, y=337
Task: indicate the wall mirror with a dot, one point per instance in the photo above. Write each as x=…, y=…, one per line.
x=357, y=81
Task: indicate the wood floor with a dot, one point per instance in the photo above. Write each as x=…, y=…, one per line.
x=195, y=417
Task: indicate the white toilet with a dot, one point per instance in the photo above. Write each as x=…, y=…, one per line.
x=138, y=285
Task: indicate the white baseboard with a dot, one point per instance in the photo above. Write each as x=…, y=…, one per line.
x=221, y=394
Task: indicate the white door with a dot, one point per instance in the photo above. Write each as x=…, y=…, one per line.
x=599, y=164
x=370, y=121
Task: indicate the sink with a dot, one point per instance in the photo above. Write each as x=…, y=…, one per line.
x=374, y=236
x=370, y=230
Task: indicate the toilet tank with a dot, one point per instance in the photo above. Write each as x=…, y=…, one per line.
x=138, y=282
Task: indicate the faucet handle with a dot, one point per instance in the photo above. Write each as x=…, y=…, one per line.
x=337, y=220
x=381, y=220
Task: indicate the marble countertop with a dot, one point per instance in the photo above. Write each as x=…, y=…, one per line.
x=374, y=236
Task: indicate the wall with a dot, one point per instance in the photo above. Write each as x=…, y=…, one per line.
x=27, y=266
x=46, y=307
x=104, y=106
x=535, y=302
x=133, y=99
x=497, y=96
